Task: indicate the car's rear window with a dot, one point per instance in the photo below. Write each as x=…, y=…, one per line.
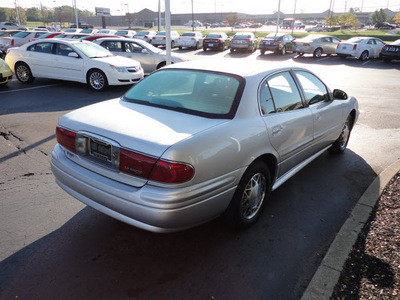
x=208, y=94
x=355, y=40
x=188, y=34
x=396, y=43
x=241, y=36
x=21, y=34
x=213, y=35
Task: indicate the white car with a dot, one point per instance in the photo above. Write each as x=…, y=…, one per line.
x=145, y=35
x=150, y=57
x=73, y=30
x=24, y=37
x=160, y=38
x=106, y=31
x=362, y=48
x=71, y=60
x=126, y=33
x=200, y=139
x=190, y=40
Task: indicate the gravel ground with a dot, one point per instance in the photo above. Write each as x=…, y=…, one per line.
x=372, y=270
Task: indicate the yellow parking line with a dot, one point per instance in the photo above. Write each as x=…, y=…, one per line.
x=27, y=89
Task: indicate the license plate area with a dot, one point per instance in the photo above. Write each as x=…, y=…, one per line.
x=100, y=150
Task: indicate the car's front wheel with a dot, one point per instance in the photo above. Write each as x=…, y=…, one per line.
x=283, y=50
x=97, y=80
x=341, y=143
x=23, y=73
x=250, y=195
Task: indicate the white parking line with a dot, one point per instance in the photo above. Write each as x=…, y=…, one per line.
x=366, y=62
x=324, y=58
x=27, y=89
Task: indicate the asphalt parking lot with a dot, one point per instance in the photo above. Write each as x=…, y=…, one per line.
x=52, y=246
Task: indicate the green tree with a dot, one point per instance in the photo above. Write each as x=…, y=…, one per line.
x=3, y=14
x=332, y=20
x=378, y=16
x=349, y=20
x=64, y=14
x=34, y=14
x=396, y=18
x=232, y=19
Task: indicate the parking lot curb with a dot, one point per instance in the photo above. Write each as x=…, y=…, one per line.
x=328, y=273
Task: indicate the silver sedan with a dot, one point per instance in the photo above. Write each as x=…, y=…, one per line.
x=198, y=140
x=150, y=57
x=316, y=45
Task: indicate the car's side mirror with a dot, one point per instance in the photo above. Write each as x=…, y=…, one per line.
x=339, y=94
x=73, y=54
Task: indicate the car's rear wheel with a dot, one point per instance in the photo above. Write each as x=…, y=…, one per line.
x=204, y=49
x=342, y=56
x=23, y=73
x=232, y=50
x=283, y=50
x=180, y=47
x=364, y=55
x=317, y=53
x=300, y=53
x=221, y=47
x=341, y=143
x=197, y=46
x=250, y=195
x=262, y=52
x=97, y=80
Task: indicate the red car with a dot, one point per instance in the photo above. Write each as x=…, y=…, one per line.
x=100, y=36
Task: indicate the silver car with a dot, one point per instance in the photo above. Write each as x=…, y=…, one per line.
x=145, y=35
x=150, y=57
x=198, y=140
x=160, y=38
x=316, y=45
x=190, y=40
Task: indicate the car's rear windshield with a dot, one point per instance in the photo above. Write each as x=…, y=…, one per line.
x=207, y=94
x=188, y=34
x=121, y=32
x=396, y=43
x=161, y=33
x=273, y=36
x=241, y=36
x=21, y=34
x=143, y=33
x=213, y=35
x=355, y=40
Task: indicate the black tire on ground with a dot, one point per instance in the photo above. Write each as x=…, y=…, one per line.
x=340, y=145
x=97, y=80
x=283, y=50
x=251, y=193
x=23, y=73
x=161, y=64
x=364, y=55
x=204, y=49
x=317, y=52
x=180, y=47
x=262, y=52
x=300, y=53
x=342, y=56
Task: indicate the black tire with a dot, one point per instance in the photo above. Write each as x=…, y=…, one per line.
x=23, y=73
x=232, y=50
x=300, y=53
x=283, y=50
x=248, y=201
x=172, y=44
x=180, y=47
x=262, y=52
x=204, y=49
x=341, y=143
x=161, y=64
x=221, y=47
x=97, y=80
x=197, y=46
x=342, y=56
x=364, y=55
x=317, y=52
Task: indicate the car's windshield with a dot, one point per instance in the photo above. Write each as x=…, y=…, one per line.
x=21, y=34
x=92, y=50
x=87, y=31
x=201, y=93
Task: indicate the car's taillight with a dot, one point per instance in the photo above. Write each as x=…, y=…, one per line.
x=163, y=38
x=307, y=45
x=355, y=47
x=217, y=40
x=66, y=138
x=277, y=43
x=135, y=163
x=337, y=45
x=153, y=169
x=294, y=43
x=248, y=42
x=171, y=172
x=12, y=42
x=154, y=37
x=145, y=36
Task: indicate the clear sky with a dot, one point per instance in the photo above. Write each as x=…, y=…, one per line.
x=245, y=6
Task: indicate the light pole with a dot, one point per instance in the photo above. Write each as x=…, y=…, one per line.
x=294, y=15
x=129, y=16
x=192, y=17
x=277, y=19
x=76, y=15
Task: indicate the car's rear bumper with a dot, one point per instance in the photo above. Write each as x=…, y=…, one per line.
x=149, y=207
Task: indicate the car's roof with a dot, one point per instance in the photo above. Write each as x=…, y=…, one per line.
x=243, y=68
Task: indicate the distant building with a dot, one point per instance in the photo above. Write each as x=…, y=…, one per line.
x=147, y=16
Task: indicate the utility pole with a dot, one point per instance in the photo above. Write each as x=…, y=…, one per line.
x=168, y=30
x=277, y=19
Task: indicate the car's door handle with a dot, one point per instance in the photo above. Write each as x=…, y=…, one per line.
x=276, y=130
x=318, y=117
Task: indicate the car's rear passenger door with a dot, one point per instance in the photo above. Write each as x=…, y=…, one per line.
x=288, y=122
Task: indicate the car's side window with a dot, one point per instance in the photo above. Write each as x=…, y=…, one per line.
x=112, y=46
x=133, y=48
x=63, y=50
x=378, y=42
x=266, y=102
x=41, y=47
x=284, y=92
x=315, y=91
